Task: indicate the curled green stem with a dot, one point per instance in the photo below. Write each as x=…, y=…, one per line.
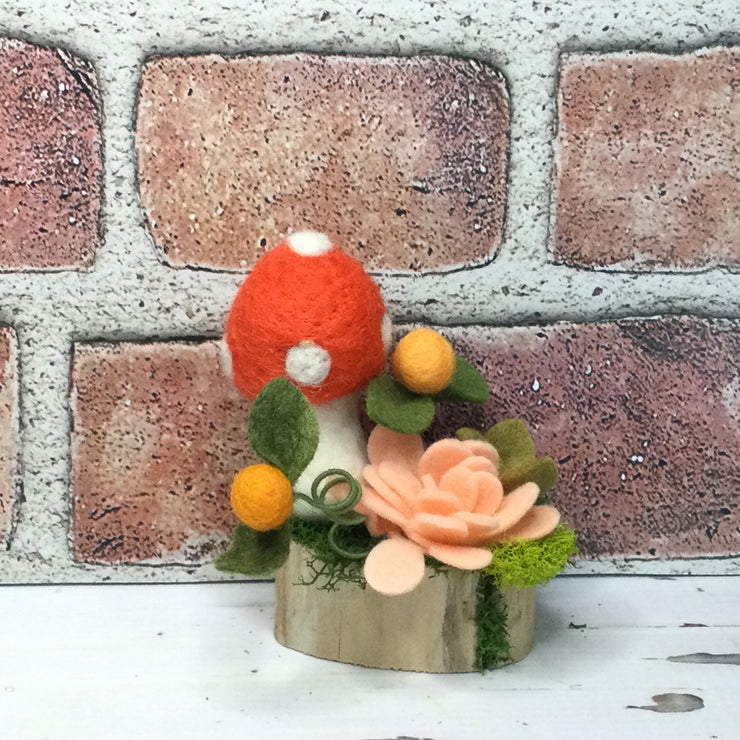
x=339, y=512
x=336, y=511
x=343, y=551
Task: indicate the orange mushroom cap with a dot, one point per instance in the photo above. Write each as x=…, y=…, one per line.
x=315, y=306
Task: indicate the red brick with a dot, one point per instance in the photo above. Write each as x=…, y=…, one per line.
x=647, y=160
x=158, y=435
x=9, y=468
x=404, y=160
x=49, y=159
x=644, y=417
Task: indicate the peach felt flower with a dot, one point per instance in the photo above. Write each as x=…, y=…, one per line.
x=446, y=502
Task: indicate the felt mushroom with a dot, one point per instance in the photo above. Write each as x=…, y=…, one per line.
x=310, y=313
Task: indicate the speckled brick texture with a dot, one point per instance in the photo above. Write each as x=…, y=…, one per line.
x=49, y=159
x=9, y=472
x=643, y=417
x=159, y=433
x=648, y=155
x=403, y=160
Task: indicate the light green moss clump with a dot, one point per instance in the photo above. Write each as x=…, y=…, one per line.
x=527, y=563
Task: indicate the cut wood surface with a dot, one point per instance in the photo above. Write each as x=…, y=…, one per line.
x=431, y=629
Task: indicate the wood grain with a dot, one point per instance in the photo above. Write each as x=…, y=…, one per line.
x=430, y=629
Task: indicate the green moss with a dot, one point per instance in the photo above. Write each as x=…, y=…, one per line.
x=492, y=638
x=526, y=563
x=327, y=567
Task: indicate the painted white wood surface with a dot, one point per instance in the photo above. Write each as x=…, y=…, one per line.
x=199, y=661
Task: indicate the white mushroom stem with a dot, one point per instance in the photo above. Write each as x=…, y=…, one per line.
x=342, y=444
x=341, y=441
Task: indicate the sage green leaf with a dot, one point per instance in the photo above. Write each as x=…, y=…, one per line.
x=253, y=553
x=543, y=471
x=283, y=429
x=517, y=461
x=511, y=440
x=467, y=384
x=469, y=433
x=397, y=408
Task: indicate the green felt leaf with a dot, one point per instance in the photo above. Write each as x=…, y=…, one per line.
x=543, y=471
x=283, y=429
x=512, y=441
x=253, y=553
x=469, y=433
x=397, y=408
x=467, y=384
x=517, y=461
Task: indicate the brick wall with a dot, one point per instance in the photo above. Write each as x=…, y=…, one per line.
x=555, y=187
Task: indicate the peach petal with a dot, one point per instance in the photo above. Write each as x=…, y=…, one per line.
x=490, y=493
x=372, y=475
x=462, y=482
x=372, y=522
x=515, y=505
x=441, y=528
x=482, y=449
x=394, y=566
x=461, y=556
x=374, y=503
x=481, y=527
x=535, y=524
x=386, y=445
x=412, y=533
x=428, y=482
x=437, y=501
x=401, y=480
x=441, y=456
x=479, y=464
x=378, y=526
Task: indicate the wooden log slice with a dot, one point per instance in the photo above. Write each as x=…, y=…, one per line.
x=431, y=629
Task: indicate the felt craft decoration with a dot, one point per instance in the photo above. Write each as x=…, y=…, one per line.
x=427, y=370
x=262, y=497
x=517, y=463
x=391, y=404
x=307, y=333
x=467, y=384
x=446, y=502
x=310, y=314
x=255, y=554
x=283, y=428
x=424, y=361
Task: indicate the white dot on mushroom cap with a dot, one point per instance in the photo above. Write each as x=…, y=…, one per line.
x=309, y=243
x=307, y=363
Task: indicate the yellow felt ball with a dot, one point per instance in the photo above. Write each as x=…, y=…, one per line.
x=262, y=497
x=424, y=361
